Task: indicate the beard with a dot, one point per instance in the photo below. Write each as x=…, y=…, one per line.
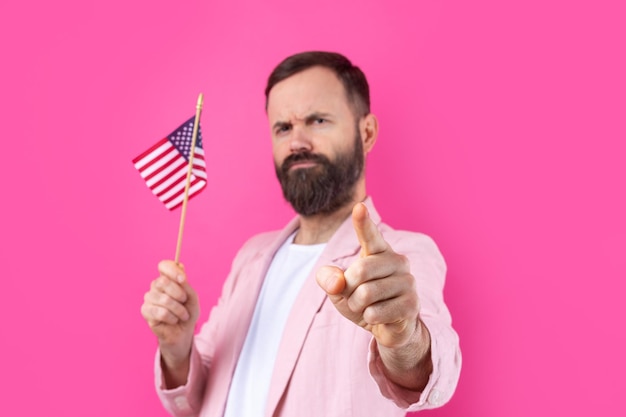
x=325, y=187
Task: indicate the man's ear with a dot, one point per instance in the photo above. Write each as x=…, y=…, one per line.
x=368, y=126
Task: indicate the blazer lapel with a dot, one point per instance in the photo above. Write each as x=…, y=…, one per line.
x=240, y=311
x=343, y=244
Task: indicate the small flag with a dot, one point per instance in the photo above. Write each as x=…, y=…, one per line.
x=164, y=166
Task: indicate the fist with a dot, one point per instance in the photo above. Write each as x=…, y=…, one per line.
x=171, y=309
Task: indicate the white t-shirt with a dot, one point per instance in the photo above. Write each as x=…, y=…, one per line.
x=250, y=385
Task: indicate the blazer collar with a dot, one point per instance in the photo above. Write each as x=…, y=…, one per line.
x=343, y=243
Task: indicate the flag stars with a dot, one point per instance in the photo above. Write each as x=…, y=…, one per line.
x=182, y=138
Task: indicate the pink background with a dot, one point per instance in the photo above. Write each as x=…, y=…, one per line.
x=502, y=137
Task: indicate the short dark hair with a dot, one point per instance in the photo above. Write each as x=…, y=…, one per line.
x=352, y=78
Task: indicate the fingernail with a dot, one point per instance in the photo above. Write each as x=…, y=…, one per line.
x=367, y=213
x=180, y=279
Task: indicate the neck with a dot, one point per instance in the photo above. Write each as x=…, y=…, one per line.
x=319, y=228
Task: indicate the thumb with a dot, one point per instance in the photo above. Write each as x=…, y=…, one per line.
x=331, y=279
x=193, y=303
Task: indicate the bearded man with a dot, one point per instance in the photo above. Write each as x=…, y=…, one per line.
x=337, y=314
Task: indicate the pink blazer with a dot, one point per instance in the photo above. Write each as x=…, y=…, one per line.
x=326, y=365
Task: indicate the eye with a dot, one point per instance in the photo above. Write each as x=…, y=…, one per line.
x=283, y=129
x=319, y=121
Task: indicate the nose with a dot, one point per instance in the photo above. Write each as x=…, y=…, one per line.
x=300, y=140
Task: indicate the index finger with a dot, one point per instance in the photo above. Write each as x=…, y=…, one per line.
x=172, y=270
x=369, y=236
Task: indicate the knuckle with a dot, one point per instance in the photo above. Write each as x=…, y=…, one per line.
x=164, y=300
x=355, y=302
x=365, y=293
x=165, y=286
x=410, y=279
x=404, y=262
x=370, y=315
x=160, y=283
x=161, y=314
x=144, y=311
x=410, y=306
x=176, y=292
x=359, y=269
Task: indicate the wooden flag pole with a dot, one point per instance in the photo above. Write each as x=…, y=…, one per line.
x=196, y=123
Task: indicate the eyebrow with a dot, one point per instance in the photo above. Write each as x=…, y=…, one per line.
x=308, y=119
x=280, y=124
x=318, y=115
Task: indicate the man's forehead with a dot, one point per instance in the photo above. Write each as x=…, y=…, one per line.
x=315, y=90
x=299, y=113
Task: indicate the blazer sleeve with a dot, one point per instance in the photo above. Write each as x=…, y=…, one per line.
x=429, y=269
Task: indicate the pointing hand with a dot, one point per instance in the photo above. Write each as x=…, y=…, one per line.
x=377, y=292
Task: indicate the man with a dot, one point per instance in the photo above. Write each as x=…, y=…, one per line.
x=335, y=315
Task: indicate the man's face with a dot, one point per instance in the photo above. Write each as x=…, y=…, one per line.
x=318, y=151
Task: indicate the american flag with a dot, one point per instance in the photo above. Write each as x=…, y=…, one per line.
x=164, y=166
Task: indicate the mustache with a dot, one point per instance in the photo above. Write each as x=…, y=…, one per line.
x=300, y=157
